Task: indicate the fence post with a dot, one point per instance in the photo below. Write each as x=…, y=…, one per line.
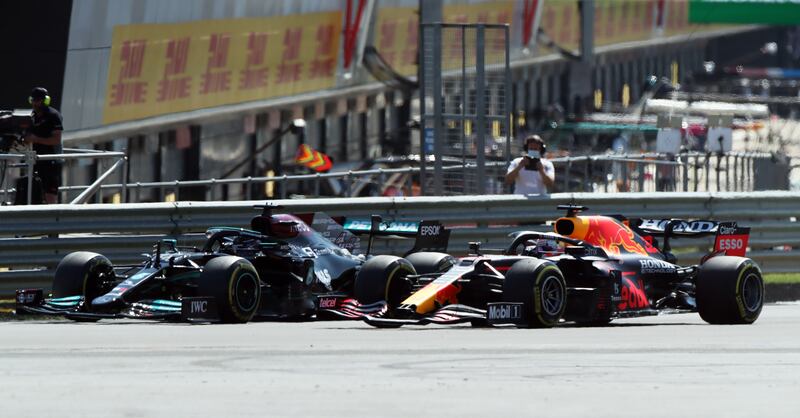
x=98, y=196
x=317, y=185
x=567, y=174
x=29, y=161
x=685, y=164
x=283, y=188
x=125, y=163
x=641, y=170
x=249, y=188
x=727, y=173
x=743, y=163
x=480, y=110
x=586, y=175
x=410, y=181
x=381, y=179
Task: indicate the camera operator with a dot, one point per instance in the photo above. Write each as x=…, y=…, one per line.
x=531, y=173
x=45, y=135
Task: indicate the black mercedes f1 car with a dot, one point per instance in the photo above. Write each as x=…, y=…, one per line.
x=284, y=267
x=590, y=270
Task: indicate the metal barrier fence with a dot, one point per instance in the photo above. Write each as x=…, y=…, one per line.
x=734, y=171
x=27, y=159
x=38, y=237
x=466, y=115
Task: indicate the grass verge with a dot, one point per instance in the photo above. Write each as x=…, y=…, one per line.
x=782, y=278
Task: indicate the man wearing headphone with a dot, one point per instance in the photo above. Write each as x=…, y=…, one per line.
x=45, y=135
x=531, y=173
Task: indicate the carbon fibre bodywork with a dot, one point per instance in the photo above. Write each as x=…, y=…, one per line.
x=602, y=268
x=297, y=259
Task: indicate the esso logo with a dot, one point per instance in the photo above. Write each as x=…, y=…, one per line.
x=731, y=244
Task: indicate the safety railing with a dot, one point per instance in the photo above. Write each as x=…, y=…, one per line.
x=37, y=237
x=27, y=160
x=733, y=171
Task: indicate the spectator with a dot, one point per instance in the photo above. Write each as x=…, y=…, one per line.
x=531, y=173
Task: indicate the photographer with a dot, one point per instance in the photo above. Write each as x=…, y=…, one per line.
x=531, y=173
x=45, y=135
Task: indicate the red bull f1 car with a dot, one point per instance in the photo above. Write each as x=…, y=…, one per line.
x=283, y=267
x=591, y=270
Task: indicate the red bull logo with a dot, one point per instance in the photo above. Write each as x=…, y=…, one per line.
x=447, y=295
x=632, y=295
x=609, y=234
x=442, y=291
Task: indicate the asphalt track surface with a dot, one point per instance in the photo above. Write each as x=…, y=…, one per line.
x=660, y=366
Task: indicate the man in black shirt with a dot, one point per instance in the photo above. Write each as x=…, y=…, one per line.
x=45, y=135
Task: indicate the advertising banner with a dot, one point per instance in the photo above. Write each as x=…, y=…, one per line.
x=156, y=69
x=396, y=31
x=396, y=38
x=617, y=21
x=771, y=12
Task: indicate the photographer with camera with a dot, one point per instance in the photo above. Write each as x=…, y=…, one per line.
x=45, y=135
x=531, y=173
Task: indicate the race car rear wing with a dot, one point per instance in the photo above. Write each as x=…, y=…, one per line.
x=428, y=235
x=730, y=239
x=675, y=227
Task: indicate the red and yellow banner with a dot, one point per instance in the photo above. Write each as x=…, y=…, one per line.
x=313, y=159
x=396, y=33
x=156, y=69
x=617, y=21
x=487, y=12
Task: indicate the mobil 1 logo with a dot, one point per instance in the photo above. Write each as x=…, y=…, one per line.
x=504, y=312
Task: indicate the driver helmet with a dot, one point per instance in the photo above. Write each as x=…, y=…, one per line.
x=548, y=247
x=287, y=226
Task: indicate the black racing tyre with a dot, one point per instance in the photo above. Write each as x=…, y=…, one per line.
x=430, y=262
x=380, y=278
x=729, y=290
x=83, y=273
x=540, y=286
x=234, y=283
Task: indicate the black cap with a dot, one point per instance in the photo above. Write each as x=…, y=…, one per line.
x=39, y=93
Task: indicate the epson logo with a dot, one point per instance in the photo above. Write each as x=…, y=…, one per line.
x=504, y=312
x=199, y=306
x=327, y=303
x=432, y=230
